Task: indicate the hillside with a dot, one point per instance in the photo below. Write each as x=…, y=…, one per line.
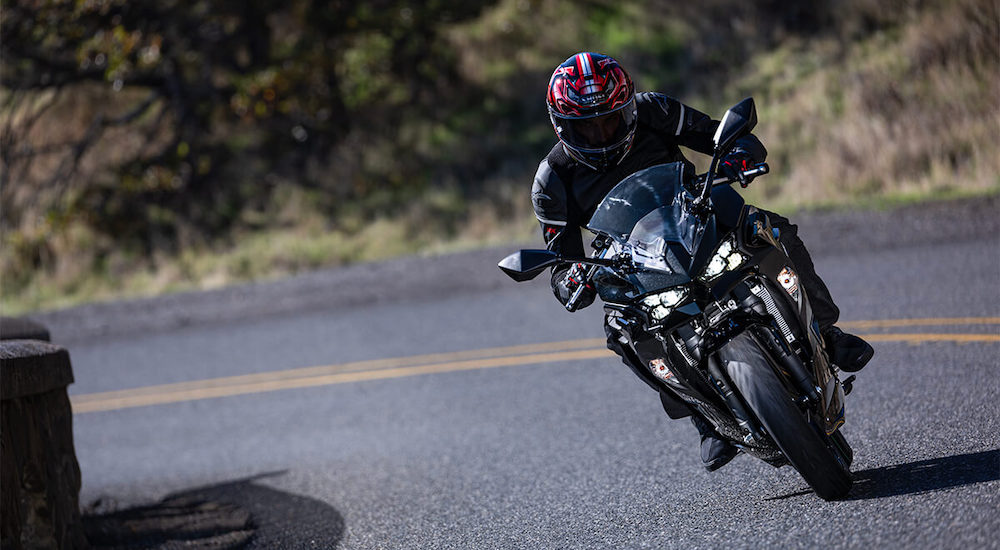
x=138, y=158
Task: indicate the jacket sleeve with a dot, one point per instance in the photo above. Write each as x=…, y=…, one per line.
x=693, y=129
x=548, y=198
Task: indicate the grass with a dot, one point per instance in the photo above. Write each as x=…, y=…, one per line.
x=906, y=113
x=276, y=253
x=273, y=253
x=887, y=118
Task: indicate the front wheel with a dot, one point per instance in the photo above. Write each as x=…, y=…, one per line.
x=804, y=445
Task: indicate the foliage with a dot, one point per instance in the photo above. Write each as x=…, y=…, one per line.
x=223, y=83
x=136, y=137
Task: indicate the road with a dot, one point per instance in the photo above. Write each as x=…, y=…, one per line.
x=485, y=416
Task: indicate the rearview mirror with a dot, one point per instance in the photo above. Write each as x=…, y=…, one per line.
x=525, y=265
x=736, y=123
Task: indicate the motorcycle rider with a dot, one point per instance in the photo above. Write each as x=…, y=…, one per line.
x=607, y=132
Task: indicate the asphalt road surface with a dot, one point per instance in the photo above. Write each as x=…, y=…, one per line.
x=431, y=403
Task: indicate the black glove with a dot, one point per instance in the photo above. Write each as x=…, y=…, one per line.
x=734, y=165
x=566, y=281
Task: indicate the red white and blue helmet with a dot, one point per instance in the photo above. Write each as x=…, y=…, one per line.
x=591, y=103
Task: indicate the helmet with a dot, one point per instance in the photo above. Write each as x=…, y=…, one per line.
x=591, y=103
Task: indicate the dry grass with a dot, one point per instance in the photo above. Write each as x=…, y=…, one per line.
x=309, y=244
x=897, y=114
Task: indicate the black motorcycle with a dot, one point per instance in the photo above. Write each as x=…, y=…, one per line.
x=705, y=298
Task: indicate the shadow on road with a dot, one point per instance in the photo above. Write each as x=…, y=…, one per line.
x=926, y=475
x=236, y=514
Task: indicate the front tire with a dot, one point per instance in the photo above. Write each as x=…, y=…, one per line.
x=804, y=445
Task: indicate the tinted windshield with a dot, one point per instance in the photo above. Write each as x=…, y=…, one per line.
x=646, y=214
x=647, y=211
x=636, y=197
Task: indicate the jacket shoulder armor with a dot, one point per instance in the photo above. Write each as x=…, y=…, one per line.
x=662, y=113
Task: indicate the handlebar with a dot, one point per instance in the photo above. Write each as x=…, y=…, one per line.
x=758, y=170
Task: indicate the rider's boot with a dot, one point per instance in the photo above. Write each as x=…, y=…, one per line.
x=848, y=352
x=716, y=452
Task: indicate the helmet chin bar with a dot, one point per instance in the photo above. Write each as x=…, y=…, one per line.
x=612, y=161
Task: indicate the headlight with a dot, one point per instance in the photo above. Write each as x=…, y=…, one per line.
x=727, y=258
x=660, y=305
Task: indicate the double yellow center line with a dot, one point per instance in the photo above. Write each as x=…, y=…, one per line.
x=359, y=371
x=380, y=369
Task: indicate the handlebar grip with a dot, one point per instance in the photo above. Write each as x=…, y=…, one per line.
x=571, y=303
x=758, y=170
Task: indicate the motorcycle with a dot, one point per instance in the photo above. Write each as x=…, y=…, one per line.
x=707, y=305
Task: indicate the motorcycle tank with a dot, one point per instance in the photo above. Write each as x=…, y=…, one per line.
x=649, y=213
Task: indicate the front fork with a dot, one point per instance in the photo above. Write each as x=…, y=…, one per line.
x=815, y=389
x=789, y=367
x=752, y=432
x=794, y=337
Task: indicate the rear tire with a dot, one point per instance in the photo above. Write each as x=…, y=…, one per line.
x=806, y=447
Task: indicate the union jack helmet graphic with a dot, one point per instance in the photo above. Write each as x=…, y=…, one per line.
x=591, y=103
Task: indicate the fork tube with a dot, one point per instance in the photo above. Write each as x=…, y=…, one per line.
x=733, y=402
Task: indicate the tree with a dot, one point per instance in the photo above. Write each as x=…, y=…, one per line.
x=208, y=93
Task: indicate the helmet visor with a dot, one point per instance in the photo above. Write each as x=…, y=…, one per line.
x=596, y=132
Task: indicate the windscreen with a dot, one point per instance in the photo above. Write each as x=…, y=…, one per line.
x=646, y=214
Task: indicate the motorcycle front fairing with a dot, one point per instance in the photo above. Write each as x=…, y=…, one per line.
x=648, y=216
x=649, y=220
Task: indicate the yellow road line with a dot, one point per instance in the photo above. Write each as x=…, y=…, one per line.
x=122, y=399
x=379, y=369
x=367, y=365
x=942, y=321
x=944, y=337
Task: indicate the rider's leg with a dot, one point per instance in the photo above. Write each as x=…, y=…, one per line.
x=824, y=309
x=849, y=352
x=715, y=450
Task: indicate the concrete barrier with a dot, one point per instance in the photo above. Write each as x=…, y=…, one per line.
x=19, y=328
x=39, y=473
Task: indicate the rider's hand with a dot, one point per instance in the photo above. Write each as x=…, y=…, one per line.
x=734, y=165
x=566, y=281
